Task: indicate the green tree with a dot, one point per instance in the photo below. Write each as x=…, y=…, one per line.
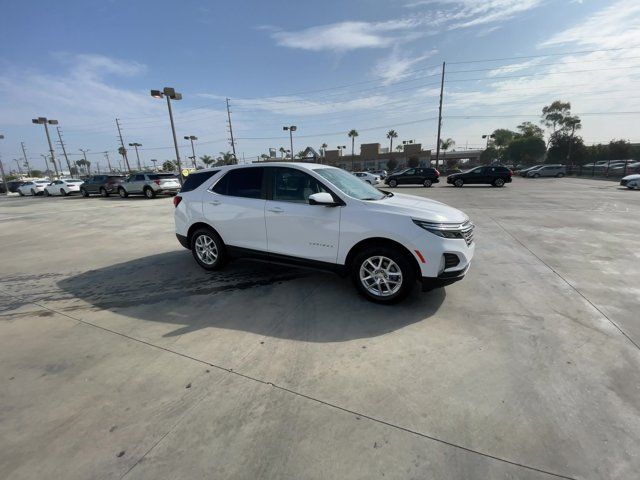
x=553, y=117
x=207, y=160
x=282, y=151
x=446, y=145
x=526, y=150
x=399, y=148
x=490, y=154
x=564, y=145
x=619, y=150
x=391, y=134
x=301, y=154
x=227, y=158
x=168, y=166
x=352, y=135
x=392, y=164
x=528, y=129
x=36, y=173
x=502, y=137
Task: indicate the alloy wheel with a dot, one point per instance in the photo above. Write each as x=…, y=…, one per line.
x=206, y=249
x=381, y=276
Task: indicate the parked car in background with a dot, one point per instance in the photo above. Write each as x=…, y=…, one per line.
x=14, y=185
x=490, y=175
x=370, y=178
x=381, y=173
x=64, y=187
x=555, y=170
x=149, y=184
x=101, y=184
x=425, y=176
x=523, y=172
x=33, y=187
x=323, y=217
x=631, y=181
x=629, y=167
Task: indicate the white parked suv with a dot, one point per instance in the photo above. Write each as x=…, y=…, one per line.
x=323, y=217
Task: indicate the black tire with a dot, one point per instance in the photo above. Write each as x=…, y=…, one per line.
x=458, y=182
x=427, y=183
x=20, y=193
x=537, y=175
x=46, y=193
x=103, y=192
x=149, y=193
x=122, y=192
x=400, y=260
x=84, y=193
x=498, y=182
x=205, y=235
x=392, y=183
x=560, y=175
x=63, y=193
x=33, y=192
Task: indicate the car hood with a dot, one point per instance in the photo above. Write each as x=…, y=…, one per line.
x=635, y=176
x=419, y=208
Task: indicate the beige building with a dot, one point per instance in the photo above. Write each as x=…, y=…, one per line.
x=373, y=157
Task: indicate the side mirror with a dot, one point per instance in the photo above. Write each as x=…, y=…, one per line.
x=322, y=198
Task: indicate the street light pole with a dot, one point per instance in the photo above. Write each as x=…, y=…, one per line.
x=26, y=159
x=170, y=93
x=291, y=129
x=154, y=161
x=193, y=151
x=64, y=151
x=135, y=145
x=4, y=179
x=44, y=121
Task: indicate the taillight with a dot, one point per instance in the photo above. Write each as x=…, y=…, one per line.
x=157, y=182
x=510, y=173
x=176, y=200
x=437, y=173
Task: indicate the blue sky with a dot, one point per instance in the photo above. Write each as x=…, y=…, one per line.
x=326, y=67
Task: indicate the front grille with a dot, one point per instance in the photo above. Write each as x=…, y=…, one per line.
x=467, y=232
x=450, y=260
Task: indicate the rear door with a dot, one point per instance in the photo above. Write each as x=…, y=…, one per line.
x=295, y=228
x=234, y=206
x=409, y=177
x=474, y=176
x=137, y=183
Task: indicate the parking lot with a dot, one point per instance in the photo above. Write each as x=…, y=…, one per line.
x=121, y=358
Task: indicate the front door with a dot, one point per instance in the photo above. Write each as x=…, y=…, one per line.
x=475, y=176
x=295, y=228
x=234, y=206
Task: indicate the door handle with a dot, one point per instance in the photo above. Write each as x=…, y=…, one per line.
x=276, y=210
x=215, y=202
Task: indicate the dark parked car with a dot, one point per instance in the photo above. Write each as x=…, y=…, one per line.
x=102, y=184
x=492, y=175
x=414, y=176
x=14, y=185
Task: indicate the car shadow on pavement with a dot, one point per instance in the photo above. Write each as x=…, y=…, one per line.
x=261, y=298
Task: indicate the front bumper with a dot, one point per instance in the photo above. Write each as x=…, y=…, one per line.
x=444, y=279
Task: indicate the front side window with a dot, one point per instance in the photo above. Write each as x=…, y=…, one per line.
x=291, y=185
x=411, y=171
x=350, y=185
x=241, y=182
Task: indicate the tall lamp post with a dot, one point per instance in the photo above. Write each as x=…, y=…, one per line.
x=44, y=121
x=4, y=180
x=171, y=94
x=291, y=129
x=155, y=167
x=193, y=151
x=135, y=145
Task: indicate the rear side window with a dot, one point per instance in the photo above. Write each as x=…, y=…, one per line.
x=159, y=176
x=194, y=180
x=241, y=182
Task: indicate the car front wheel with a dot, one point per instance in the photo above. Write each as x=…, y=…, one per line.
x=392, y=183
x=122, y=192
x=84, y=193
x=560, y=175
x=208, y=249
x=383, y=275
x=458, y=182
x=103, y=192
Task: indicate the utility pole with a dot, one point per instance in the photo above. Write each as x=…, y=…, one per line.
x=44, y=121
x=87, y=165
x=233, y=143
x=123, y=152
x=106, y=154
x=440, y=116
x=64, y=151
x=26, y=159
x=4, y=179
x=18, y=164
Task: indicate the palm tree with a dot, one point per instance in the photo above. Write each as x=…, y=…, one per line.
x=207, y=160
x=391, y=134
x=446, y=145
x=282, y=151
x=323, y=148
x=228, y=158
x=399, y=148
x=352, y=135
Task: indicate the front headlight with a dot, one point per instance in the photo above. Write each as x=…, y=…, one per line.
x=462, y=231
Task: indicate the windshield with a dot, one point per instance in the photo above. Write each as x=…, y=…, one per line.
x=349, y=184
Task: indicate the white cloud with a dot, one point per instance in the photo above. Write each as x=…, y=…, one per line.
x=514, y=67
x=397, y=65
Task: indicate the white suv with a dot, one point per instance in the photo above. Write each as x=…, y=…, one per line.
x=323, y=217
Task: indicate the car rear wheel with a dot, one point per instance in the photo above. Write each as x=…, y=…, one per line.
x=392, y=183
x=458, y=182
x=63, y=193
x=122, y=192
x=20, y=192
x=498, y=182
x=536, y=175
x=383, y=275
x=84, y=192
x=46, y=193
x=560, y=175
x=427, y=183
x=33, y=192
x=149, y=193
x=208, y=249
x=103, y=192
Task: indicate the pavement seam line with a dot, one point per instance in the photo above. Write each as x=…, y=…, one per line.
x=302, y=395
x=618, y=327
